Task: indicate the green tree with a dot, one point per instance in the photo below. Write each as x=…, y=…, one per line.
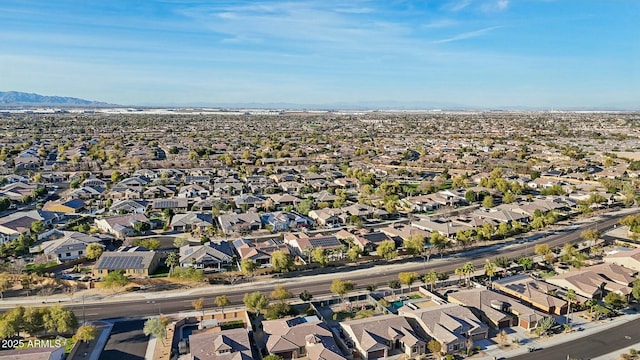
x=526, y=262
x=471, y=196
x=281, y=261
x=615, y=301
x=408, y=278
x=487, y=202
x=172, y=261
x=341, y=287
x=414, y=244
x=151, y=244
x=33, y=320
x=503, y=230
x=248, y=266
x=156, y=326
x=305, y=206
x=509, y=198
x=354, y=253
x=571, y=299
x=591, y=235
x=431, y=278
x=490, y=269
x=5, y=284
x=94, y=251
x=387, y=250
x=439, y=241
x=272, y=357
x=538, y=223
x=86, y=333
x=280, y=293
x=37, y=227
x=635, y=291
x=434, y=346
x=256, y=301
x=544, y=325
x=198, y=304
x=141, y=227
x=305, y=296
x=320, y=256
x=115, y=280
x=59, y=320
x=180, y=242
x=467, y=270
x=222, y=301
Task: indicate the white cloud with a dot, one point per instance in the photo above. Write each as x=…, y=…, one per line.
x=438, y=24
x=458, y=5
x=467, y=35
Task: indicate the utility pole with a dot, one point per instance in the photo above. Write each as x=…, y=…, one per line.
x=84, y=319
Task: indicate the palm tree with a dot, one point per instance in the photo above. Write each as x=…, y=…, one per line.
x=460, y=272
x=468, y=269
x=571, y=298
x=490, y=270
x=431, y=278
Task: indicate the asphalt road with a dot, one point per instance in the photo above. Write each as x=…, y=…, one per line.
x=127, y=341
x=378, y=275
x=590, y=346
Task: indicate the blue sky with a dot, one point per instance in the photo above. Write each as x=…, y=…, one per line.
x=482, y=53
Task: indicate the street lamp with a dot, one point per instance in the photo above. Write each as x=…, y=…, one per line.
x=153, y=302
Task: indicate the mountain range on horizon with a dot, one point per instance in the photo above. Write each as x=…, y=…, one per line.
x=16, y=98
x=23, y=99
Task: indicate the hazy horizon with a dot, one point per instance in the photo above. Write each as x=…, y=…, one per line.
x=500, y=54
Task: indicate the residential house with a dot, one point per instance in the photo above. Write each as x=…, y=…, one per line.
x=383, y=336
x=532, y=292
x=362, y=211
x=324, y=196
x=177, y=205
x=73, y=206
x=85, y=193
x=121, y=226
x=13, y=225
x=65, y=245
x=501, y=216
x=592, y=282
x=303, y=244
x=239, y=223
x=137, y=264
x=192, y=222
x=454, y=326
x=285, y=220
x=259, y=252
x=497, y=310
x=35, y=353
x=445, y=227
x=207, y=255
x=366, y=241
x=627, y=258
x=18, y=190
x=128, y=207
x=280, y=201
x=194, y=191
x=401, y=232
x=293, y=338
x=327, y=217
x=158, y=192
x=233, y=344
x=248, y=201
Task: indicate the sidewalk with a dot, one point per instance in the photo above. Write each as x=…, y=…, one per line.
x=92, y=296
x=588, y=327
